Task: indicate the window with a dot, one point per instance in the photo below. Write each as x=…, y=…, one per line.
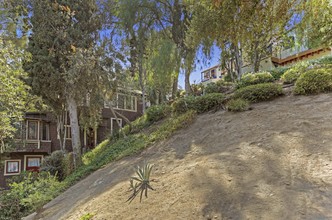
x=213, y=74
x=68, y=131
x=45, y=131
x=12, y=167
x=206, y=75
x=125, y=102
x=32, y=162
x=20, y=130
x=32, y=130
x=115, y=125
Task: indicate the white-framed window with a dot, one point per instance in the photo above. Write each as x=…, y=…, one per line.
x=124, y=102
x=206, y=75
x=32, y=162
x=12, y=167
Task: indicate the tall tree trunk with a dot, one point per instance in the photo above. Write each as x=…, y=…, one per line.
x=238, y=60
x=75, y=130
x=175, y=87
x=257, y=59
x=142, y=74
x=187, y=82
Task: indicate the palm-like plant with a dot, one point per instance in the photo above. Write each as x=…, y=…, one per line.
x=141, y=183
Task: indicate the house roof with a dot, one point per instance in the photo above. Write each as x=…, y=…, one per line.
x=216, y=66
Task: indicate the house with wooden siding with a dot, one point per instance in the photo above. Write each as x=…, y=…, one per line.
x=37, y=136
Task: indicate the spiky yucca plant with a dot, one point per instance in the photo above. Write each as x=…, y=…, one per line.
x=141, y=183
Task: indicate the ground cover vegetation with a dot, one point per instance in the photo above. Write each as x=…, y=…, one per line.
x=91, y=48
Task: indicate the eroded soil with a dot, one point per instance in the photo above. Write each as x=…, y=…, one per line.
x=273, y=162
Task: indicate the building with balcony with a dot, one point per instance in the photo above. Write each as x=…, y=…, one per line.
x=278, y=58
x=37, y=136
x=212, y=74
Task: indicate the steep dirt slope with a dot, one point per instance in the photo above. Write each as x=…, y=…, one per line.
x=273, y=162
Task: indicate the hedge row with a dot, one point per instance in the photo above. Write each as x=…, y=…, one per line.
x=259, y=92
x=314, y=81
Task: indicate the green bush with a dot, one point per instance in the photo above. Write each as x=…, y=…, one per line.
x=200, y=103
x=314, y=81
x=228, y=78
x=292, y=74
x=324, y=60
x=259, y=92
x=68, y=164
x=209, y=102
x=136, y=126
x=28, y=195
x=254, y=78
x=182, y=105
x=211, y=88
x=158, y=112
x=54, y=164
x=238, y=105
x=278, y=72
x=218, y=87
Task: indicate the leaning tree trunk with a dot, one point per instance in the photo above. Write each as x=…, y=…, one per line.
x=187, y=82
x=75, y=130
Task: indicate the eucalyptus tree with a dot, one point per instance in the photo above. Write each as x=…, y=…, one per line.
x=174, y=17
x=244, y=29
x=163, y=67
x=136, y=22
x=65, y=67
x=13, y=91
x=317, y=20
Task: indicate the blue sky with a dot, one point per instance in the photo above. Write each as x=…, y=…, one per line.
x=205, y=63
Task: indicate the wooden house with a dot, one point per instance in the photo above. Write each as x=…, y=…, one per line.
x=37, y=135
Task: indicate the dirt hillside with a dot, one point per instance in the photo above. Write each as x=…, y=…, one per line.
x=273, y=162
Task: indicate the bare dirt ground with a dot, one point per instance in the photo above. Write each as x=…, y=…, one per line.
x=273, y=162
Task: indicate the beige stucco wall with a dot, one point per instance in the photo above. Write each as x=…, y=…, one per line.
x=265, y=64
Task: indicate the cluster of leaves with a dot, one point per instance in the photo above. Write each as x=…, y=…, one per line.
x=13, y=91
x=237, y=105
x=259, y=92
x=199, y=104
x=58, y=164
x=158, y=112
x=28, y=194
x=292, y=74
x=278, y=72
x=197, y=89
x=54, y=164
x=255, y=78
x=314, y=81
x=218, y=87
x=141, y=183
x=228, y=78
x=87, y=216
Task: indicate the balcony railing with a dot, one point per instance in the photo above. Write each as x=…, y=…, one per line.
x=290, y=52
x=31, y=146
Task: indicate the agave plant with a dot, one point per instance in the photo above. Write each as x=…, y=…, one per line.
x=141, y=183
